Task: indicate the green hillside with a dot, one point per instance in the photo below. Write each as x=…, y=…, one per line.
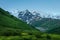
x=11, y=28
x=10, y=23
x=54, y=31
x=48, y=23
x=51, y=23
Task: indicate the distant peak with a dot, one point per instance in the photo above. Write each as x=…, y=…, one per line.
x=34, y=12
x=27, y=10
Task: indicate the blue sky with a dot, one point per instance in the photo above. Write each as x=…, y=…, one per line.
x=47, y=6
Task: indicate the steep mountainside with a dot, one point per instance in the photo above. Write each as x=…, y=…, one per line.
x=9, y=23
x=27, y=16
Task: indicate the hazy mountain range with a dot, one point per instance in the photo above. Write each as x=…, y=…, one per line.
x=42, y=23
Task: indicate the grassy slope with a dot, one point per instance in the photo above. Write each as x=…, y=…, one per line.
x=54, y=31
x=51, y=24
x=9, y=22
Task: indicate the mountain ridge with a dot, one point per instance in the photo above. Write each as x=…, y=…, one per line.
x=40, y=22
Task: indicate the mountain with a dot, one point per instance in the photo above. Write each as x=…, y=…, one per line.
x=12, y=25
x=42, y=23
x=27, y=16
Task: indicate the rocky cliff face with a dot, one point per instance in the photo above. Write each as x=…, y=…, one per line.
x=28, y=16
